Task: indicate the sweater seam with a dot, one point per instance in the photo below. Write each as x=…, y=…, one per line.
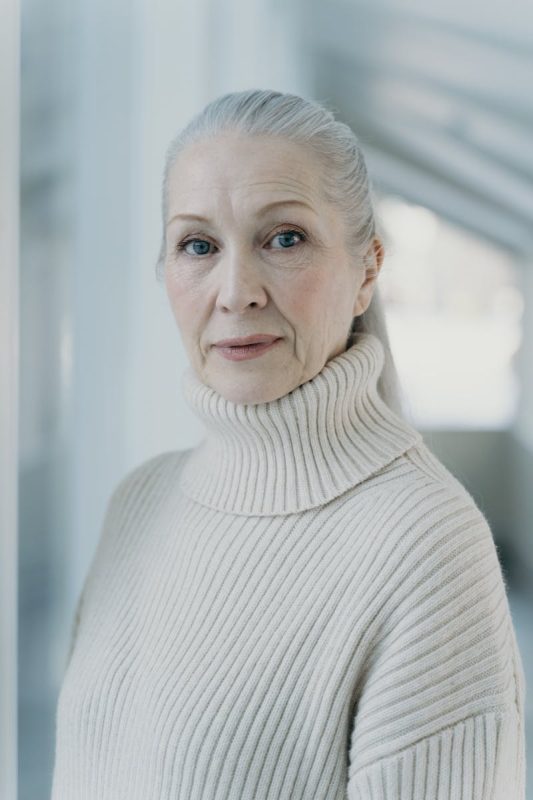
x=498, y=711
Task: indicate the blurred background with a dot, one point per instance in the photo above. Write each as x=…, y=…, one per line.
x=440, y=97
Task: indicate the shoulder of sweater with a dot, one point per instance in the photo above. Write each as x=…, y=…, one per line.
x=419, y=473
x=140, y=487
x=426, y=510
x=146, y=477
x=434, y=538
x=133, y=486
x=457, y=501
x=446, y=526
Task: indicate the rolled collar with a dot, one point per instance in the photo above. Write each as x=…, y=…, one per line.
x=298, y=451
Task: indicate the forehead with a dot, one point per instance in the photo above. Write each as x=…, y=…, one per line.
x=244, y=168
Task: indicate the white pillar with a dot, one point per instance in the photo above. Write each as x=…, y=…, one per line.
x=105, y=246
x=9, y=390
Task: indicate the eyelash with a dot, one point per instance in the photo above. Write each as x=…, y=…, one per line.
x=180, y=247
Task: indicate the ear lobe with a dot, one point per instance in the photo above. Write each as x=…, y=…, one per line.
x=358, y=309
x=366, y=291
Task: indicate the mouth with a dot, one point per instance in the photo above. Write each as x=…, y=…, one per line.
x=247, y=351
x=255, y=338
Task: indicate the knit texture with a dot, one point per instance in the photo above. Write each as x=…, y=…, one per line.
x=306, y=606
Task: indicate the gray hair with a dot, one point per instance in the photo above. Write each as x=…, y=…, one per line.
x=346, y=183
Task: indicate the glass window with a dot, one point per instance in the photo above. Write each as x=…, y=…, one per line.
x=454, y=314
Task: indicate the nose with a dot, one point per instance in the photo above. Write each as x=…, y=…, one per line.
x=240, y=282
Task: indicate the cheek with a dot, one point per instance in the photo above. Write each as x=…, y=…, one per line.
x=305, y=298
x=182, y=289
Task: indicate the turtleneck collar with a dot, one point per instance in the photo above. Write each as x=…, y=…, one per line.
x=301, y=450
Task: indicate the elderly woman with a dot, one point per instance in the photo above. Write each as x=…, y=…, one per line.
x=307, y=605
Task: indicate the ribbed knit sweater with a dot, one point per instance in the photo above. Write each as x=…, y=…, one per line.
x=306, y=606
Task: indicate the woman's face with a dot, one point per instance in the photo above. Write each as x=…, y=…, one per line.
x=252, y=248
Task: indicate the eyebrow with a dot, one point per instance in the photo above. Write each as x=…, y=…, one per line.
x=262, y=210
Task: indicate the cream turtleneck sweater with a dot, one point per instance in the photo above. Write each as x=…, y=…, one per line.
x=306, y=606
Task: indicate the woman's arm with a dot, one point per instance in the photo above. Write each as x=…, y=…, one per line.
x=131, y=489
x=440, y=716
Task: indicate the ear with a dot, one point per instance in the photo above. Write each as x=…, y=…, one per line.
x=372, y=264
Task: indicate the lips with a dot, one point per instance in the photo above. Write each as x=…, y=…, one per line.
x=241, y=341
x=245, y=352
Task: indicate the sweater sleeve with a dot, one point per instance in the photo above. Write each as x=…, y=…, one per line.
x=440, y=713
x=131, y=489
x=98, y=556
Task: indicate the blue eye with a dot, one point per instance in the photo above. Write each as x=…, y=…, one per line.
x=285, y=238
x=202, y=250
